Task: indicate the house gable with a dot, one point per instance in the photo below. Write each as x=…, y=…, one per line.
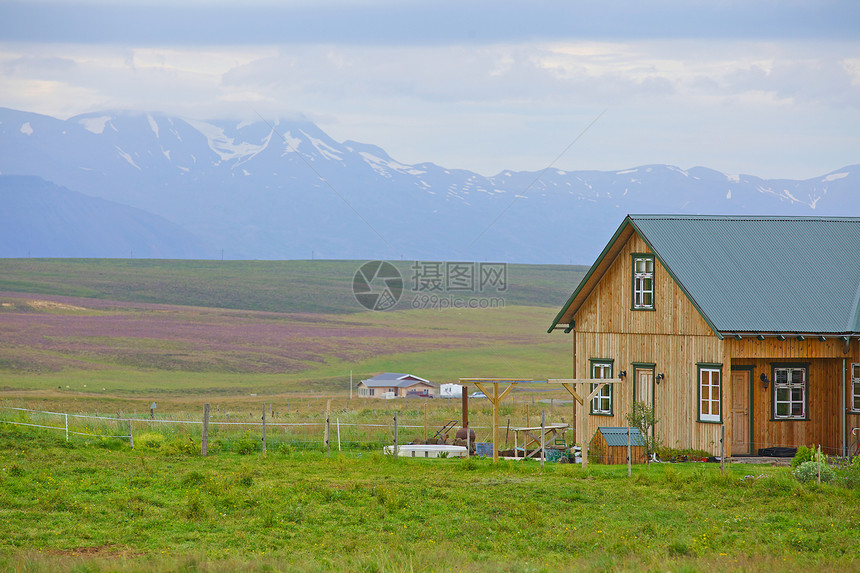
x=603, y=301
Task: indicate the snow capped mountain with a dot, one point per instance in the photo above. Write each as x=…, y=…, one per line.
x=287, y=190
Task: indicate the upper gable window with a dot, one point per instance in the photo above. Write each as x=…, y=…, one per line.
x=643, y=282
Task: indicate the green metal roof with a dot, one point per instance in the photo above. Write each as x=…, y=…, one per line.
x=760, y=274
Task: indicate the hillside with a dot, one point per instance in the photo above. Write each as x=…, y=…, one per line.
x=319, y=286
x=149, y=327
x=42, y=219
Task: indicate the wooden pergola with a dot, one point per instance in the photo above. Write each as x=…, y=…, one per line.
x=575, y=386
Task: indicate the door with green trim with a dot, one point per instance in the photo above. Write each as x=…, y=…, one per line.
x=643, y=385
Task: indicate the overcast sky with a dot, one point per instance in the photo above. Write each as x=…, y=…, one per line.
x=770, y=88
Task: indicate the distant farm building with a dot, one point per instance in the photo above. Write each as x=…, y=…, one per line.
x=394, y=385
x=451, y=391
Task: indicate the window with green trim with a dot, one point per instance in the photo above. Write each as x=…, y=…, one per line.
x=710, y=388
x=643, y=282
x=789, y=393
x=855, y=387
x=602, y=402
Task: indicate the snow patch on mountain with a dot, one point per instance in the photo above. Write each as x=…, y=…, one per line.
x=834, y=177
x=223, y=145
x=153, y=125
x=791, y=197
x=292, y=142
x=95, y=124
x=385, y=166
x=128, y=158
x=326, y=150
x=27, y=129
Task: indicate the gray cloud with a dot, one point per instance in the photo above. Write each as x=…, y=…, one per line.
x=761, y=87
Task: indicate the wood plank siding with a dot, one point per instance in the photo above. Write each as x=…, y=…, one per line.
x=824, y=387
x=674, y=340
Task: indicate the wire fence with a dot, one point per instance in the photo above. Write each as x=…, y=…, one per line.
x=339, y=430
x=223, y=432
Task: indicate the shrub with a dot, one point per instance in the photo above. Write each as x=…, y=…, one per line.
x=112, y=444
x=644, y=418
x=682, y=455
x=183, y=445
x=803, y=455
x=851, y=473
x=808, y=471
x=245, y=445
x=149, y=441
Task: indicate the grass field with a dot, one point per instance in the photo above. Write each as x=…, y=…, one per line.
x=102, y=507
x=178, y=327
x=108, y=338
x=318, y=286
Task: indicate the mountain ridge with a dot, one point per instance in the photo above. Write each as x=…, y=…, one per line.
x=286, y=190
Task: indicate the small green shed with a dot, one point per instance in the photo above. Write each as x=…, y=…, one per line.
x=609, y=446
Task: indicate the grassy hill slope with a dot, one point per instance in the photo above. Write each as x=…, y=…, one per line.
x=132, y=327
x=319, y=286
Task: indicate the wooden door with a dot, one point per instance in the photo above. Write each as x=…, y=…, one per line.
x=644, y=386
x=741, y=438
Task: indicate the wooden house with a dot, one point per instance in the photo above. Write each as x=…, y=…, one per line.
x=745, y=324
x=395, y=385
x=609, y=446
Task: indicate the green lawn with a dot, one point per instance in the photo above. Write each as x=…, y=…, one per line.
x=99, y=506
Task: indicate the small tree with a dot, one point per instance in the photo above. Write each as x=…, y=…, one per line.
x=643, y=418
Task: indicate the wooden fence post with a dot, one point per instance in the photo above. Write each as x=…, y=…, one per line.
x=395, y=434
x=264, y=428
x=629, y=455
x=204, y=440
x=818, y=455
x=327, y=427
x=542, y=437
x=723, y=451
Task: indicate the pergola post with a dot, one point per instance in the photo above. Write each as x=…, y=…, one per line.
x=574, y=386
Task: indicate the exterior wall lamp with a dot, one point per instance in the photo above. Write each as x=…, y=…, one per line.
x=622, y=374
x=764, y=381
x=659, y=377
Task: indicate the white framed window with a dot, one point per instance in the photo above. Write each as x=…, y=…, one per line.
x=710, y=393
x=601, y=404
x=643, y=282
x=789, y=392
x=855, y=387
